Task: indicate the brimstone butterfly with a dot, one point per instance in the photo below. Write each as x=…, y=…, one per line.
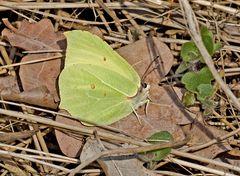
x=97, y=84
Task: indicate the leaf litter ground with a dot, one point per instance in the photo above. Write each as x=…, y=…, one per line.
x=36, y=85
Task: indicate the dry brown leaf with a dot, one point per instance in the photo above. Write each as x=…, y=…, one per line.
x=114, y=165
x=69, y=145
x=234, y=152
x=37, y=37
x=9, y=82
x=140, y=56
x=39, y=96
x=165, y=113
x=201, y=134
x=42, y=74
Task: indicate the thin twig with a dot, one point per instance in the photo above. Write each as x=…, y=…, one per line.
x=58, y=125
x=205, y=160
x=22, y=156
x=229, y=10
x=199, y=167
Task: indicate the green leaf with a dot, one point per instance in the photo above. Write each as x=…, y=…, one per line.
x=217, y=46
x=207, y=38
x=189, y=99
x=158, y=155
x=192, y=80
x=182, y=67
x=204, y=91
x=189, y=52
x=97, y=84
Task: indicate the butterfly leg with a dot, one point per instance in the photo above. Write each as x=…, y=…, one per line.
x=136, y=114
x=148, y=101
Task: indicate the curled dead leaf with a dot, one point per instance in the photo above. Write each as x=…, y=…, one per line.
x=39, y=96
x=71, y=146
x=38, y=36
x=114, y=165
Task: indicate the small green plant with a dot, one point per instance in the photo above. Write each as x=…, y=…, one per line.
x=197, y=82
x=152, y=157
x=190, y=53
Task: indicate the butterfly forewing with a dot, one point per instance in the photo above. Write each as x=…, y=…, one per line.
x=86, y=48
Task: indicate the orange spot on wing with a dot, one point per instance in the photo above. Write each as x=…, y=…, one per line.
x=93, y=86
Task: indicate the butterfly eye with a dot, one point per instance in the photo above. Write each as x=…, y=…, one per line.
x=144, y=85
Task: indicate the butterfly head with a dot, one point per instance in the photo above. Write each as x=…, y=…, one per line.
x=141, y=98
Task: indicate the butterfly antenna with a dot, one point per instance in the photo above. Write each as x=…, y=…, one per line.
x=155, y=58
x=154, y=53
x=148, y=71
